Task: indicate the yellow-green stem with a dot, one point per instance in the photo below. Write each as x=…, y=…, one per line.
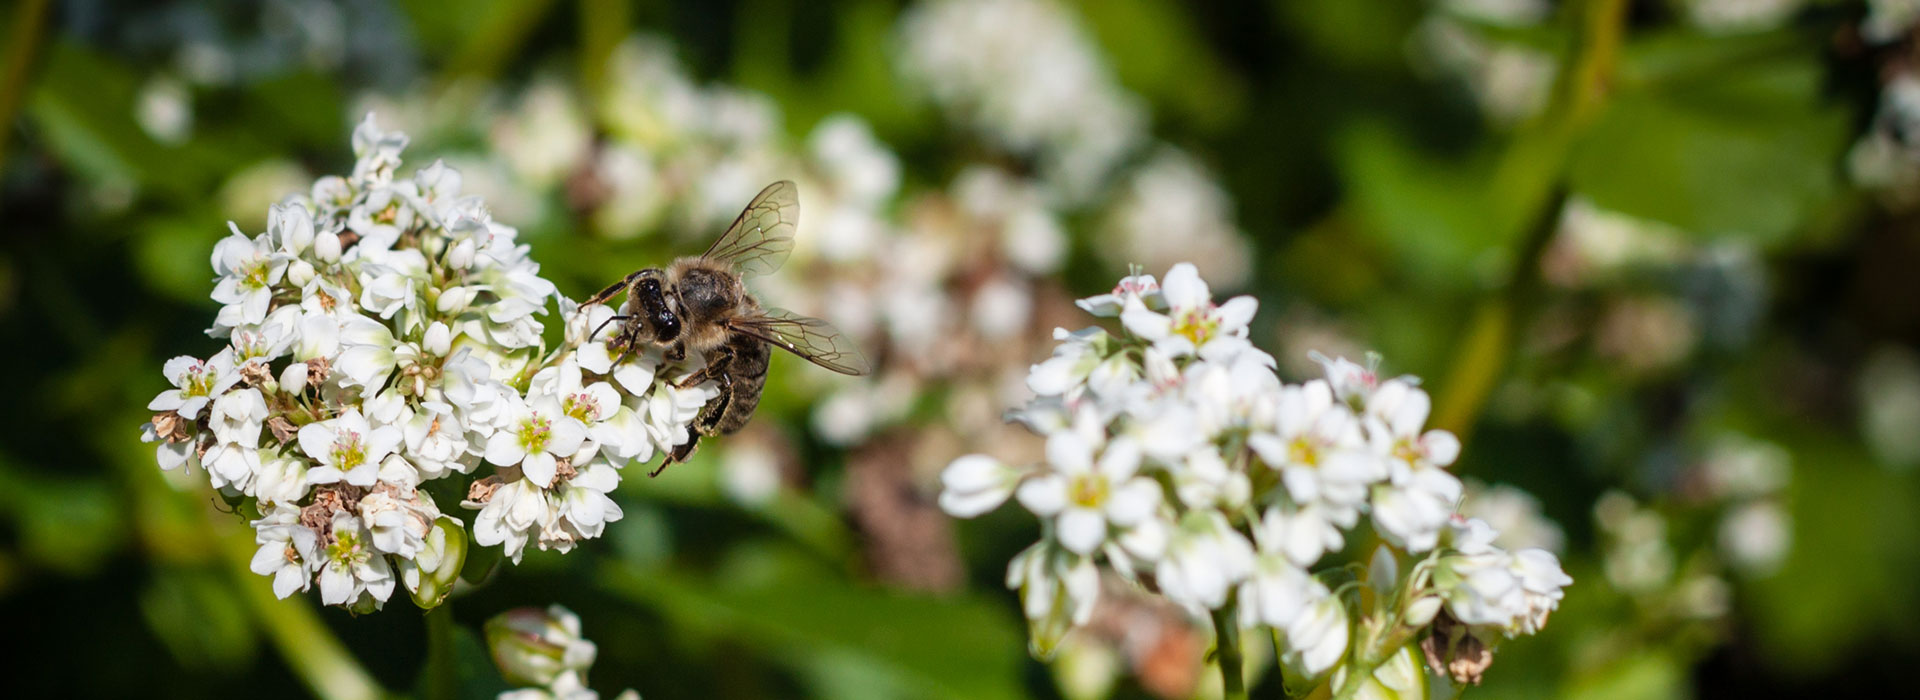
x=1528, y=188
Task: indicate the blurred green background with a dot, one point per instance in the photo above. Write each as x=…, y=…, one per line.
x=1655, y=260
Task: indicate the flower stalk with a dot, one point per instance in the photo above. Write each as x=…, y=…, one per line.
x=1227, y=652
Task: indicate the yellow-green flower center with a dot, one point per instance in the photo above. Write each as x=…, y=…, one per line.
x=1303, y=451
x=349, y=451
x=1196, y=325
x=345, y=548
x=1088, y=490
x=535, y=432
x=581, y=406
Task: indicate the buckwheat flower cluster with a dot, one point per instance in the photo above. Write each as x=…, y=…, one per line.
x=1025, y=76
x=1176, y=458
x=384, y=333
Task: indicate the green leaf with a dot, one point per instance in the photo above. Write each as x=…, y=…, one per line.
x=1749, y=149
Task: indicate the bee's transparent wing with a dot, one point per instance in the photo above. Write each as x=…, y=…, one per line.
x=758, y=242
x=811, y=338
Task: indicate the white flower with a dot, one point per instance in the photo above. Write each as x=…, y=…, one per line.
x=974, y=484
x=195, y=383
x=238, y=416
x=515, y=509
x=583, y=506
x=1276, y=592
x=1084, y=493
x=280, y=479
x=1352, y=383
x=597, y=405
x=1317, y=639
x=1205, y=558
x=1077, y=356
x=537, y=432
x=383, y=215
x=1057, y=591
x=1300, y=533
x=437, y=441
x=399, y=519
x=1318, y=447
x=248, y=269
x=1542, y=583
x=1412, y=509
x=232, y=467
x=1192, y=325
x=1136, y=286
x=351, y=567
x=376, y=153
x=347, y=448
x=1756, y=536
x=669, y=410
x=289, y=551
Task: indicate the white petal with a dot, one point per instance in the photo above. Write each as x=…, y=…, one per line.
x=539, y=468
x=1441, y=446
x=1133, y=501
x=566, y=437
x=504, y=449
x=1081, y=530
x=1183, y=288
x=1237, y=312
x=1044, y=495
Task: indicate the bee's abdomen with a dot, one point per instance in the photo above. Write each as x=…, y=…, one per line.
x=749, y=372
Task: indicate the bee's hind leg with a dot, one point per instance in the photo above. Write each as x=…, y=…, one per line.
x=716, y=368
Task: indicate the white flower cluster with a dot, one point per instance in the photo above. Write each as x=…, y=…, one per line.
x=1509, y=79
x=1178, y=459
x=385, y=333
x=1025, y=75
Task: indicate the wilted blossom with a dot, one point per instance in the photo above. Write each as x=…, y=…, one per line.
x=1177, y=459
x=385, y=332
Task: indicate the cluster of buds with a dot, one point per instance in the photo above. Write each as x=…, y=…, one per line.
x=543, y=652
x=1177, y=459
x=384, y=344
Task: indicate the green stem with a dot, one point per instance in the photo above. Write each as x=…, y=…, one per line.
x=1374, y=648
x=23, y=44
x=439, y=683
x=308, y=647
x=1226, y=626
x=1528, y=188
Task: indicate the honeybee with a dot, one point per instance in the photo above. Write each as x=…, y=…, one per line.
x=699, y=303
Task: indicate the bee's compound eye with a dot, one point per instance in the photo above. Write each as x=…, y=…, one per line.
x=669, y=323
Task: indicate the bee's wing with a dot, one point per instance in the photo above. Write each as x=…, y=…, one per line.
x=807, y=337
x=759, y=240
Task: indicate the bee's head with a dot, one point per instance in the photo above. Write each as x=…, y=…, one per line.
x=657, y=307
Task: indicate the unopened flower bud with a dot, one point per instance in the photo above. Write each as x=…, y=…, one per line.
x=430, y=574
x=326, y=247
x=975, y=484
x=439, y=340
x=1420, y=612
x=1384, y=572
x=293, y=379
x=300, y=272
x=532, y=647
x=460, y=256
